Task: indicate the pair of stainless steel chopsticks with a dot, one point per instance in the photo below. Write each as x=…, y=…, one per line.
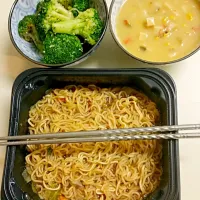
x=149, y=133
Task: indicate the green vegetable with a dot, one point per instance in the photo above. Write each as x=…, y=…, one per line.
x=61, y=48
x=27, y=30
x=49, y=150
x=33, y=186
x=39, y=6
x=87, y=25
x=81, y=5
x=56, y=27
x=53, y=195
x=65, y=3
x=50, y=194
x=50, y=12
x=75, y=12
x=26, y=176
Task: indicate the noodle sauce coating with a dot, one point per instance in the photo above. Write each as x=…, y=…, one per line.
x=99, y=170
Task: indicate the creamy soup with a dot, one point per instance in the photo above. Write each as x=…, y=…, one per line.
x=162, y=30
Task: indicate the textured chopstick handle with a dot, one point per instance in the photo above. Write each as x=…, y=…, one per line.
x=156, y=136
x=152, y=129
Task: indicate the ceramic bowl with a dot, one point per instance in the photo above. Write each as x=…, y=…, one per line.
x=22, y=8
x=113, y=13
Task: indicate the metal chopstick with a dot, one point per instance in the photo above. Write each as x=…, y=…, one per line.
x=105, y=139
x=104, y=135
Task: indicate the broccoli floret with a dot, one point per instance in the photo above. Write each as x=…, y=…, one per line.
x=65, y=3
x=87, y=25
x=81, y=5
x=27, y=30
x=61, y=48
x=75, y=12
x=39, y=7
x=50, y=12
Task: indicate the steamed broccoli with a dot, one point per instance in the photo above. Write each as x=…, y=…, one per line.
x=58, y=27
x=61, y=48
x=39, y=7
x=65, y=3
x=27, y=30
x=87, y=25
x=81, y=5
x=50, y=12
x=75, y=12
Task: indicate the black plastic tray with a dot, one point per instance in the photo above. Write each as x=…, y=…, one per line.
x=31, y=85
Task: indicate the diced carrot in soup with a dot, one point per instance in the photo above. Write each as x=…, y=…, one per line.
x=163, y=23
x=127, y=40
x=196, y=28
x=126, y=22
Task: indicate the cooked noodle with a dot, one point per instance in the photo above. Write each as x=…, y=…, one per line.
x=89, y=171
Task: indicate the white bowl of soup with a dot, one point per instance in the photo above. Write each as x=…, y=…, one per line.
x=156, y=32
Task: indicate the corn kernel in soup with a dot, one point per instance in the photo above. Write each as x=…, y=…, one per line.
x=159, y=31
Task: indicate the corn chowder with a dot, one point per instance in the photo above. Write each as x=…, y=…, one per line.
x=159, y=31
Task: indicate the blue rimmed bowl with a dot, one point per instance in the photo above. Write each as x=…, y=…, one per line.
x=22, y=8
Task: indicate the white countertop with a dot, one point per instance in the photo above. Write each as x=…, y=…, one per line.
x=186, y=75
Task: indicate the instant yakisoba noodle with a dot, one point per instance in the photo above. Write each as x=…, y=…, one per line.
x=118, y=170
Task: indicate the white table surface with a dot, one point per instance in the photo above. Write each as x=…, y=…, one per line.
x=186, y=75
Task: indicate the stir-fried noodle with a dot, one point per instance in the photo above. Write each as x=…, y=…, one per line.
x=89, y=171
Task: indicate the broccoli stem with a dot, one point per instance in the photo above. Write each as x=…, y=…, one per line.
x=69, y=27
x=35, y=37
x=65, y=3
x=60, y=16
x=38, y=44
x=28, y=31
x=60, y=9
